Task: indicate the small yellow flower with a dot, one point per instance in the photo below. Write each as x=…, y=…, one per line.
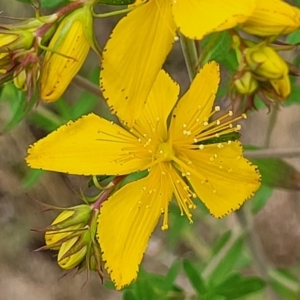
x=272, y=17
x=181, y=159
x=140, y=43
x=67, y=52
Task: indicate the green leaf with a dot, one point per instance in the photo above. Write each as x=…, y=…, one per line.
x=294, y=96
x=194, y=277
x=285, y=284
x=144, y=289
x=44, y=122
x=260, y=198
x=236, y=286
x=229, y=259
x=277, y=173
x=294, y=37
x=129, y=295
x=19, y=107
x=133, y=177
x=46, y=3
x=31, y=178
x=220, y=243
x=215, y=47
x=172, y=274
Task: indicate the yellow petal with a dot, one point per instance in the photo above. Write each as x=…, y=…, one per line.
x=195, y=106
x=89, y=146
x=161, y=100
x=272, y=17
x=224, y=179
x=133, y=57
x=196, y=18
x=126, y=222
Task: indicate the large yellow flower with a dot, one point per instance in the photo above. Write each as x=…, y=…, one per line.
x=142, y=40
x=174, y=145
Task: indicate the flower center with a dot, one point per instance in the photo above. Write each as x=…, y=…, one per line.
x=165, y=151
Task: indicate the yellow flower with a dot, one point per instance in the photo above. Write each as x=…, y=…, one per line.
x=272, y=17
x=67, y=52
x=141, y=41
x=179, y=155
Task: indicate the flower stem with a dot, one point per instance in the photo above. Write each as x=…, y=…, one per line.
x=107, y=191
x=190, y=55
x=273, y=153
x=261, y=264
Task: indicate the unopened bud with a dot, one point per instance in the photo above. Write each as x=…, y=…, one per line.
x=282, y=87
x=67, y=52
x=66, y=224
x=20, y=80
x=246, y=84
x=71, y=253
x=264, y=61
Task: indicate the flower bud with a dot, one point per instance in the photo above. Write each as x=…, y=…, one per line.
x=282, y=87
x=71, y=253
x=67, y=52
x=79, y=214
x=272, y=17
x=16, y=40
x=264, y=61
x=20, y=80
x=66, y=223
x=246, y=84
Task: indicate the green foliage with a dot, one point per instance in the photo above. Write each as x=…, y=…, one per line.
x=260, y=198
x=194, y=277
x=46, y=3
x=17, y=103
x=286, y=284
x=215, y=47
x=152, y=287
x=277, y=173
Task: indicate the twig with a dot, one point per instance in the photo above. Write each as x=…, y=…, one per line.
x=273, y=153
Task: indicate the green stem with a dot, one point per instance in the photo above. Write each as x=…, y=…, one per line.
x=190, y=55
x=88, y=86
x=112, y=13
x=260, y=262
x=271, y=125
x=273, y=153
x=216, y=260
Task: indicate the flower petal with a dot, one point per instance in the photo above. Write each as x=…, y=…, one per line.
x=225, y=179
x=196, y=18
x=195, y=106
x=89, y=146
x=126, y=222
x=161, y=100
x=272, y=17
x=134, y=55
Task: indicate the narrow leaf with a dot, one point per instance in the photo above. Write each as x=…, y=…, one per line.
x=194, y=277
